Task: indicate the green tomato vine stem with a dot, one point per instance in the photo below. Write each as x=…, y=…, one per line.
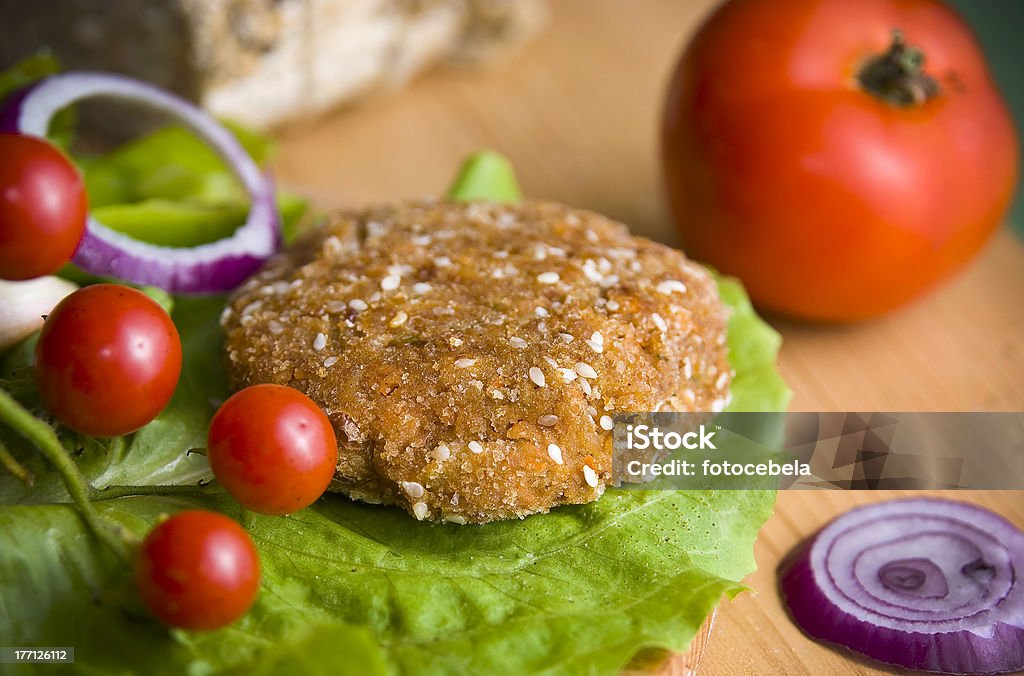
x=45, y=439
x=114, y=492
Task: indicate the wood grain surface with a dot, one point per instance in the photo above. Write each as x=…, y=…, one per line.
x=577, y=113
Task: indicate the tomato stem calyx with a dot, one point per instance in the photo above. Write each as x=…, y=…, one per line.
x=897, y=76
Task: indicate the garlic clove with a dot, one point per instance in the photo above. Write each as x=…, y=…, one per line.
x=23, y=305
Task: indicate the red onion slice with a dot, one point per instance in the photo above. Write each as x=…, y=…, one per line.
x=209, y=268
x=922, y=583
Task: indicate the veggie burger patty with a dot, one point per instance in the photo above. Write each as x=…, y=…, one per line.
x=470, y=355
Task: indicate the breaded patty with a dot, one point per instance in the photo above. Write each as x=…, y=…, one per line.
x=470, y=355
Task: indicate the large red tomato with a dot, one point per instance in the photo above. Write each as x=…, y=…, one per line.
x=840, y=157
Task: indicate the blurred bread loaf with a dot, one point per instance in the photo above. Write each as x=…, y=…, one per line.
x=266, y=62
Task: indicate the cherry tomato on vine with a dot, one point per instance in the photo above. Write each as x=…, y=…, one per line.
x=840, y=157
x=272, y=448
x=107, y=360
x=198, y=570
x=43, y=207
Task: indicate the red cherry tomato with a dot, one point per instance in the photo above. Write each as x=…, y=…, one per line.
x=836, y=185
x=272, y=448
x=42, y=208
x=107, y=360
x=198, y=570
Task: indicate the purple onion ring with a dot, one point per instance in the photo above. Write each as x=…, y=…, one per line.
x=209, y=268
x=922, y=583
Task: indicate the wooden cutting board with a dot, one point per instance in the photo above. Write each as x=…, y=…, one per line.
x=577, y=113
x=665, y=663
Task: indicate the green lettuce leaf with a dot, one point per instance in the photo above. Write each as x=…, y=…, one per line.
x=170, y=188
x=171, y=164
x=753, y=348
x=485, y=175
x=352, y=588
x=29, y=70
x=577, y=591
